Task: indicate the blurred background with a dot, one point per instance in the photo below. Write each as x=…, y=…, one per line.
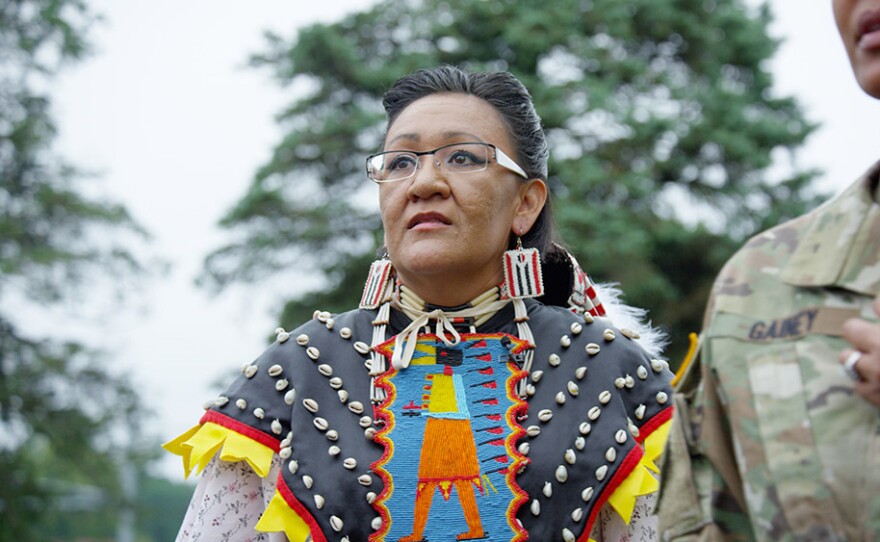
x=179, y=178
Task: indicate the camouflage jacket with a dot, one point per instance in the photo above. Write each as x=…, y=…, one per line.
x=769, y=441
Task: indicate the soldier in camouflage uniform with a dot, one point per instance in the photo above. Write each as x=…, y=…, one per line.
x=770, y=440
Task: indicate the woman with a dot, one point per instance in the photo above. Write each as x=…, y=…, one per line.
x=529, y=418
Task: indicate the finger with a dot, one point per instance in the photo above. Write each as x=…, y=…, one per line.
x=877, y=305
x=844, y=355
x=862, y=335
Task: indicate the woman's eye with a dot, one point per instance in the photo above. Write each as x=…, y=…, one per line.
x=402, y=162
x=463, y=158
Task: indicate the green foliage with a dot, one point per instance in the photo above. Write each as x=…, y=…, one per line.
x=61, y=413
x=653, y=108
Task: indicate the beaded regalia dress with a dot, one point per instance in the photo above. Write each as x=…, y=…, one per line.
x=504, y=420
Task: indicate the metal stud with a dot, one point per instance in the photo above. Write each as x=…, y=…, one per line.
x=592, y=349
x=275, y=370
x=554, y=360
x=601, y=472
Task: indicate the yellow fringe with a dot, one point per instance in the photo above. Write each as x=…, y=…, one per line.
x=198, y=445
x=641, y=481
x=280, y=517
x=688, y=358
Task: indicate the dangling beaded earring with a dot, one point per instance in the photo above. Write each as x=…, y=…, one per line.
x=522, y=272
x=523, y=279
x=377, y=294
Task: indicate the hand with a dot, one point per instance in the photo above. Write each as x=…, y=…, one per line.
x=865, y=339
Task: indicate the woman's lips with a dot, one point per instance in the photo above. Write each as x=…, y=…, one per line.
x=868, y=30
x=427, y=221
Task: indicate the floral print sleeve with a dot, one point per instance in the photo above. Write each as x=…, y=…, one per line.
x=610, y=527
x=228, y=501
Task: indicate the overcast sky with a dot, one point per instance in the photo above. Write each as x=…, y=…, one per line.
x=176, y=126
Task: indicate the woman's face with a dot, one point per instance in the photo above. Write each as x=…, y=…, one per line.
x=859, y=24
x=445, y=235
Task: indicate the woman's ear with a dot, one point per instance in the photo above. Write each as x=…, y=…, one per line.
x=532, y=197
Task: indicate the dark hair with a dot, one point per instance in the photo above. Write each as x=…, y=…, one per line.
x=512, y=100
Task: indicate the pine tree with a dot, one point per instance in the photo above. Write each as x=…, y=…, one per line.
x=58, y=405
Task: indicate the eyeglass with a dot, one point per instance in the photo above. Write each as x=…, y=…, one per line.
x=454, y=159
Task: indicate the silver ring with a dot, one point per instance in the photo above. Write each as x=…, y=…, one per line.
x=849, y=366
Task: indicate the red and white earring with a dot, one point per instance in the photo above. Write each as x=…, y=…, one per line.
x=522, y=272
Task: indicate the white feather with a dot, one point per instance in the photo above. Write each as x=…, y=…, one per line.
x=652, y=339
